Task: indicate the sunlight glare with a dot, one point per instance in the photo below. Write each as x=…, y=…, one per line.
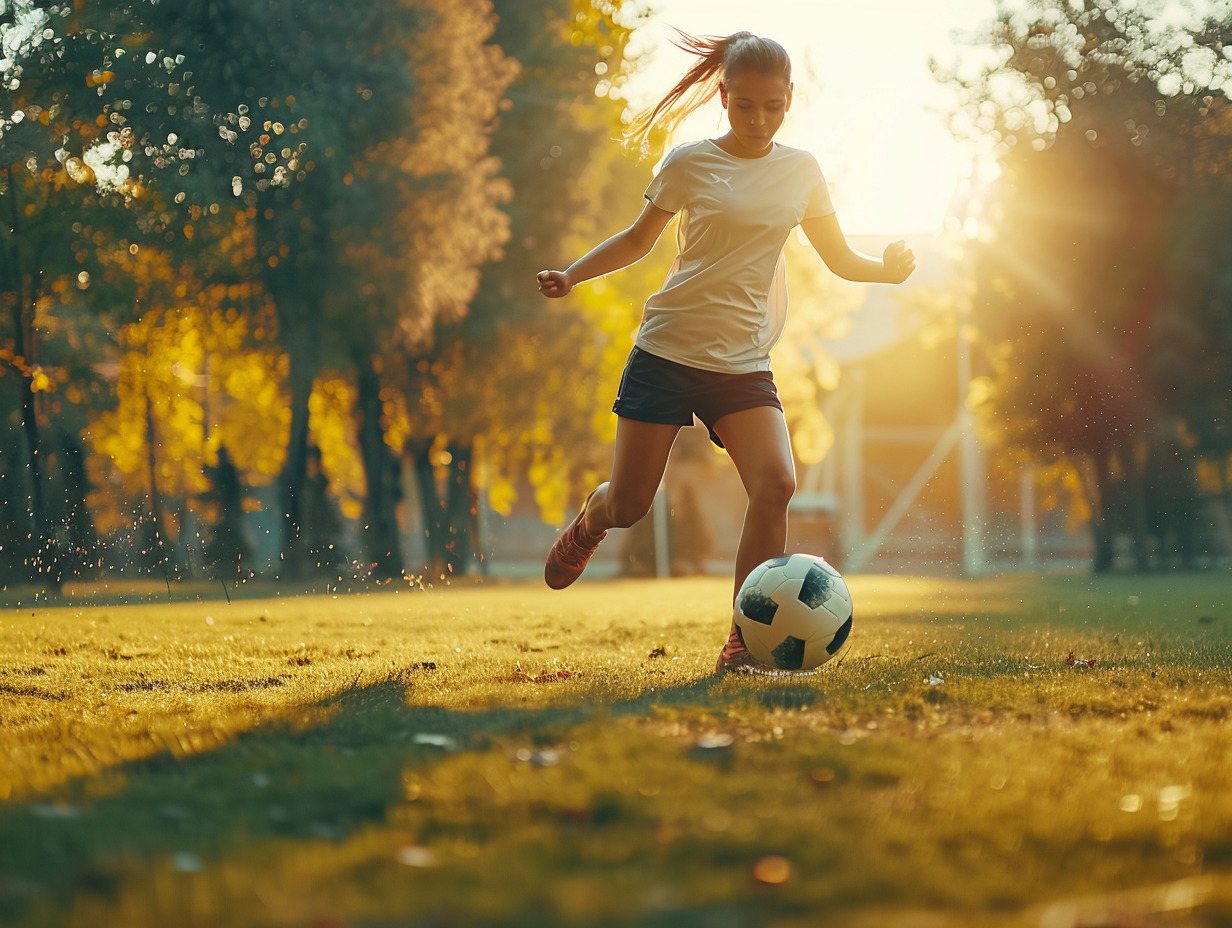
x=866, y=104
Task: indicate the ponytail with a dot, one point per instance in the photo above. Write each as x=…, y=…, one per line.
x=717, y=56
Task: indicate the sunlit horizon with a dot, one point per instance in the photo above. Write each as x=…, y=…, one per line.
x=865, y=102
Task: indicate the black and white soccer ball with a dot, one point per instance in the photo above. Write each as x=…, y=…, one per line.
x=794, y=613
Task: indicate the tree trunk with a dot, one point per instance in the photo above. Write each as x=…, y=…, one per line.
x=1096, y=480
x=226, y=552
x=1223, y=541
x=462, y=510
x=322, y=523
x=21, y=544
x=81, y=547
x=1135, y=467
x=41, y=558
x=155, y=550
x=434, y=516
x=296, y=284
x=30, y=428
x=381, y=471
x=303, y=364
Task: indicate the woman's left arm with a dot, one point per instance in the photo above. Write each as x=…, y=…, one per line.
x=828, y=240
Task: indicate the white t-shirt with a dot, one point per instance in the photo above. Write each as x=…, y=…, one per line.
x=724, y=302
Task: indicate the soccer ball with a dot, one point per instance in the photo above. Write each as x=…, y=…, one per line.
x=794, y=613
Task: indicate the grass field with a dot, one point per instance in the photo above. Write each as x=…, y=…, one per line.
x=504, y=755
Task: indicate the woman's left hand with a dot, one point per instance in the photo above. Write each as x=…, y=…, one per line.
x=899, y=262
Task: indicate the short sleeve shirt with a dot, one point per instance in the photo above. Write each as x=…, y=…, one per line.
x=724, y=302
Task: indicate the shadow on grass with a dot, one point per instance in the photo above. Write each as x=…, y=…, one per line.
x=321, y=781
x=328, y=778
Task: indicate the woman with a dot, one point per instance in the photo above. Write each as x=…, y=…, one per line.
x=703, y=347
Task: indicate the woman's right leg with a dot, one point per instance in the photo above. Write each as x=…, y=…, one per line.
x=637, y=469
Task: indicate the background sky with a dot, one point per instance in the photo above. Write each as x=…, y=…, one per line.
x=865, y=102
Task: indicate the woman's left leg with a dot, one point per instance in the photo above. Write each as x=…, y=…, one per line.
x=760, y=447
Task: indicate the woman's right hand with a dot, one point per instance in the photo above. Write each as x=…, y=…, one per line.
x=554, y=283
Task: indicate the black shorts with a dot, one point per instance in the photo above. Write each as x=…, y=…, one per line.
x=653, y=389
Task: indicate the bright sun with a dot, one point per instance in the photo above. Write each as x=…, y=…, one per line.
x=865, y=102
x=892, y=168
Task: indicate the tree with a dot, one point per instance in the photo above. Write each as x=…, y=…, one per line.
x=362, y=201
x=513, y=393
x=318, y=147
x=436, y=195
x=196, y=385
x=59, y=159
x=293, y=116
x=1082, y=273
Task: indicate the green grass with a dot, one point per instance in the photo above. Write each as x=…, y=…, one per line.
x=505, y=755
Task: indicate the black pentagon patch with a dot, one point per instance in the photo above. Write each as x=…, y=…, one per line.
x=789, y=655
x=840, y=636
x=759, y=571
x=816, y=588
x=755, y=605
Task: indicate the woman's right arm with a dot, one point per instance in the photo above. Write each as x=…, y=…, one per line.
x=622, y=249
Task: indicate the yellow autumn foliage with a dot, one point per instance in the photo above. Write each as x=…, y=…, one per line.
x=196, y=375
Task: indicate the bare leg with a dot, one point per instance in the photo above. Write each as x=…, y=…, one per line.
x=760, y=447
x=638, y=463
x=641, y=456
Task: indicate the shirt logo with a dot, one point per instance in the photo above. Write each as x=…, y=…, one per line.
x=716, y=179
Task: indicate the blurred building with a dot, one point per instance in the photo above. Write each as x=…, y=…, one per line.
x=911, y=483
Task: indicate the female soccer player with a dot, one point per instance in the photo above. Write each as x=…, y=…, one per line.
x=703, y=347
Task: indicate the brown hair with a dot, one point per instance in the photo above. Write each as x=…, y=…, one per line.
x=718, y=56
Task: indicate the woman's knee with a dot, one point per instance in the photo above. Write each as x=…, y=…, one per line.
x=774, y=491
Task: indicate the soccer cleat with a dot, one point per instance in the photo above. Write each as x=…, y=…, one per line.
x=568, y=556
x=735, y=658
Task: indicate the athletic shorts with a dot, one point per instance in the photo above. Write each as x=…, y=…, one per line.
x=653, y=389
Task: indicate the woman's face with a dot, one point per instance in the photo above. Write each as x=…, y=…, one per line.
x=756, y=102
